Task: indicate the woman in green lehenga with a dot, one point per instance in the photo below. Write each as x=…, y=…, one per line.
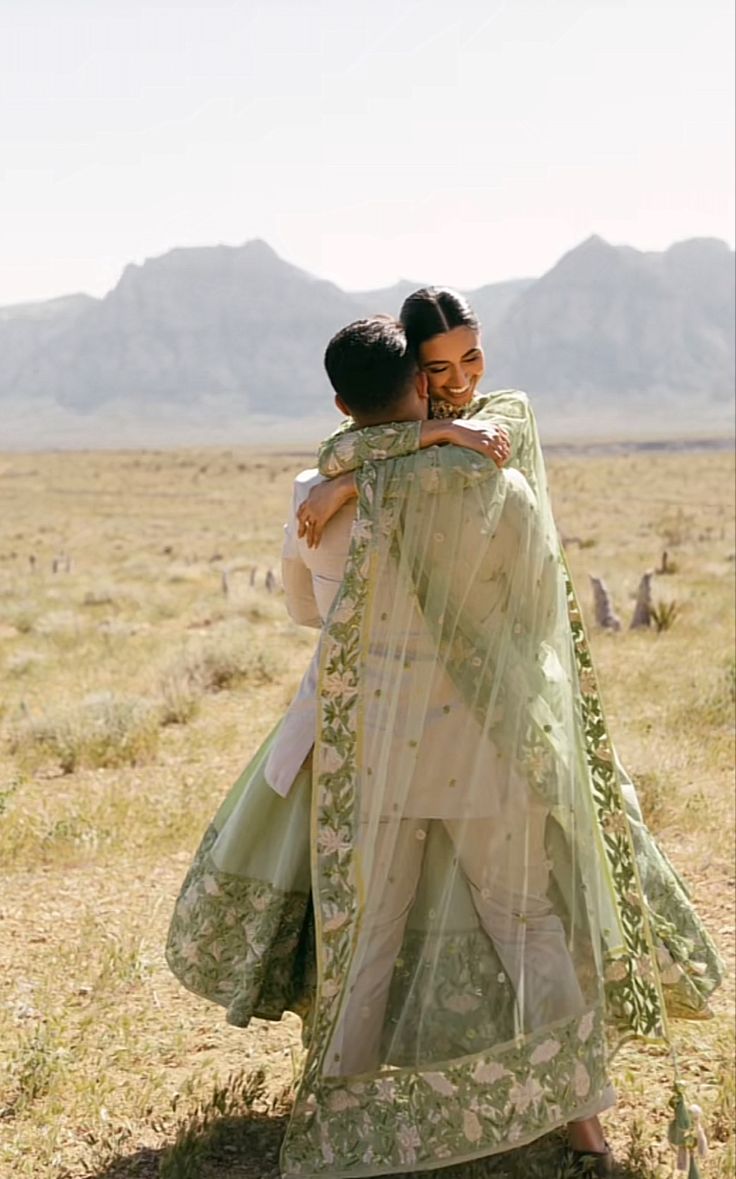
x=444, y=332
x=470, y=842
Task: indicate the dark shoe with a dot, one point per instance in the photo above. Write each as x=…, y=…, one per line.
x=591, y=1162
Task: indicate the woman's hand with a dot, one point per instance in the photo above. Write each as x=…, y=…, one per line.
x=327, y=498
x=321, y=504
x=484, y=437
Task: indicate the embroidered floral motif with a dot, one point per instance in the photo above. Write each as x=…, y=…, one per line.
x=633, y=992
x=485, y=1103
x=511, y=1094
x=348, y=448
x=241, y=943
x=525, y=1078
x=247, y=945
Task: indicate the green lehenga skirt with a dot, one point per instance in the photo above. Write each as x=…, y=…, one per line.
x=242, y=932
x=243, y=936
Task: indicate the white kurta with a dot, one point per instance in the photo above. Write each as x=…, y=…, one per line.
x=311, y=578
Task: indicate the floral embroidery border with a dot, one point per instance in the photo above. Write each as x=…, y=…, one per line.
x=633, y=984
x=331, y=1114
x=478, y=1106
x=241, y=943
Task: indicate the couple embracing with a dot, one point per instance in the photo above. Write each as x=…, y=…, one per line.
x=435, y=858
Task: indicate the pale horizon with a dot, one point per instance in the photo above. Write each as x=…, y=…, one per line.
x=465, y=145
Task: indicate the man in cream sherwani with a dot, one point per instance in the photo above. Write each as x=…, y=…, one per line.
x=312, y=574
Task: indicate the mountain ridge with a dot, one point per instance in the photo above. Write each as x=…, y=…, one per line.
x=210, y=339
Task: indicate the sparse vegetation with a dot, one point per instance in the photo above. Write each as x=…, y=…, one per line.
x=134, y=691
x=102, y=730
x=179, y=696
x=35, y=1062
x=22, y=662
x=221, y=1124
x=228, y=659
x=20, y=616
x=663, y=614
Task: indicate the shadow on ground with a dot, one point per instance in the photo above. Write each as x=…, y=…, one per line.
x=248, y=1148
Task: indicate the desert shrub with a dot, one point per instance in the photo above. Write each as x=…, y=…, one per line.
x=21, y=615
x=116, y=628
x=74, y=829
x=716, y=707
x=107, y=595
x=663, y=615
x=20, y=663
x=676, y=527
x=182, y=574
x=34, y=1065
x=640, y=1160
x=102, y=730
x=179, y=696
x=223, y=660
x=6, y=792
x=255, y=605
x=59, y=624
x=220, y=1124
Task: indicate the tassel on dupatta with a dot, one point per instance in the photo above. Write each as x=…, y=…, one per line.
x=687, y=1135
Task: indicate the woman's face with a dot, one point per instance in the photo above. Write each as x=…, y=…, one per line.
x=454, y=363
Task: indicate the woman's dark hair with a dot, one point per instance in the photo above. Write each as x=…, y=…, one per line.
x=370, y=364
x=432, y=311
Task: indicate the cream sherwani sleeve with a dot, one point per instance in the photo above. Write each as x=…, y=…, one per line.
x=296, y=577
x=311, y=578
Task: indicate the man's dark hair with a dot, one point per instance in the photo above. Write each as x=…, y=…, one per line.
x=432, y=311
x=370, y=366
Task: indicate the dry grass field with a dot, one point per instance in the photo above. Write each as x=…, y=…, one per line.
x=134, y=689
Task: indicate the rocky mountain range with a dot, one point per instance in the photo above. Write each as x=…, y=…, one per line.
x=223, y=343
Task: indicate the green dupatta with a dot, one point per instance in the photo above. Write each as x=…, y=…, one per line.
x=690, y=966
x=454, y=591
x=462, y=1071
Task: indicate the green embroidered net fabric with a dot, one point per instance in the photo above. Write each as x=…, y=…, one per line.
x=476, y=866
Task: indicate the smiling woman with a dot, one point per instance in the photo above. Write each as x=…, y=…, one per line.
x=444, y=332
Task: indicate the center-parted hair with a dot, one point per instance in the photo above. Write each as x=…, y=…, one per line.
x=370, y=365
x=432, y=311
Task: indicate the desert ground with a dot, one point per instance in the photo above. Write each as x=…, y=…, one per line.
x=143, y=658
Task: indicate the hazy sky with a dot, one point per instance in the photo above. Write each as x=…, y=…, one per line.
x=459, y=141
